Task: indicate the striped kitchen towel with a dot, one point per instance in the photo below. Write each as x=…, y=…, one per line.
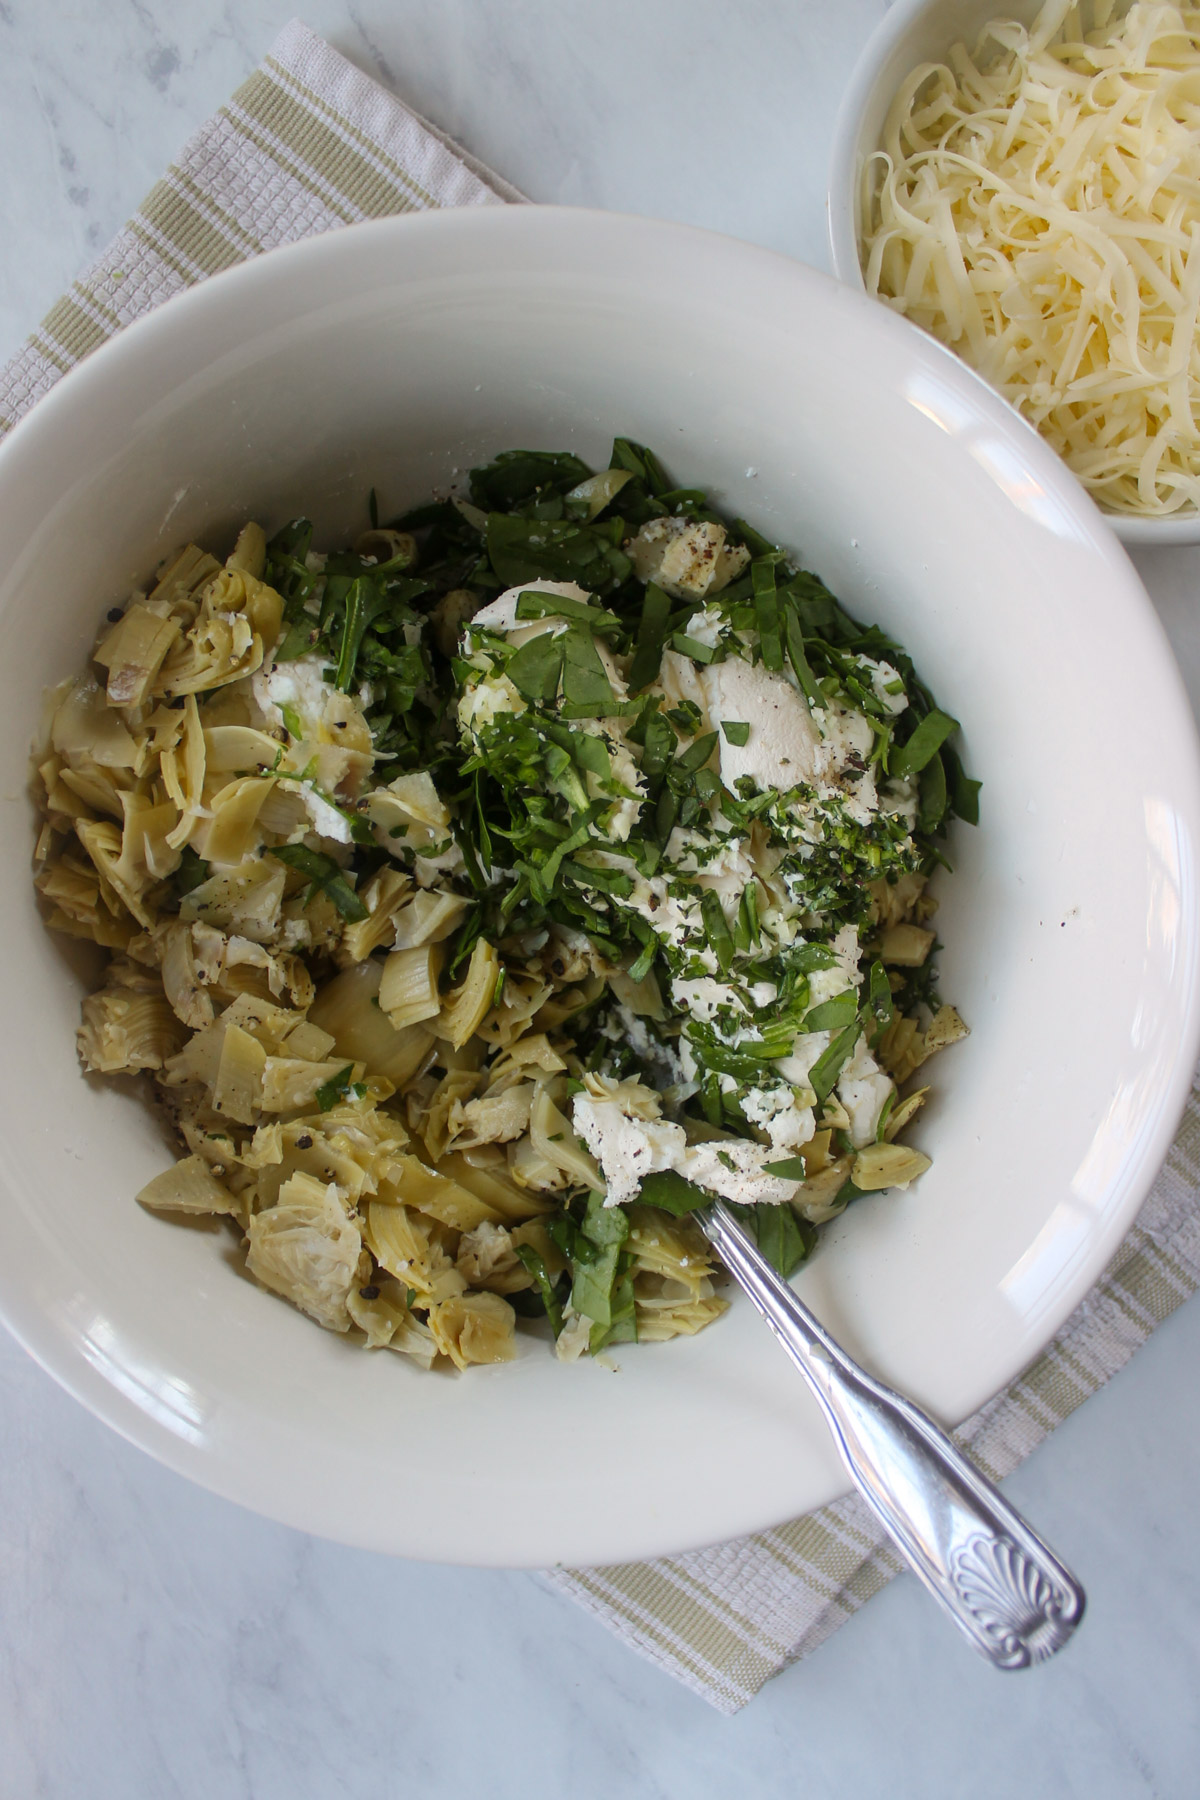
x=307, y=144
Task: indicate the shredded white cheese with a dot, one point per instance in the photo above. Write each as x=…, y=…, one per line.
x=1037, y=207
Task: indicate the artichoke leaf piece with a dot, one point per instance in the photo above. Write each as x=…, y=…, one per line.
x=887, y=1166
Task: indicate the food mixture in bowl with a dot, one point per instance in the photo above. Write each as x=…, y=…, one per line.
x=482, y=899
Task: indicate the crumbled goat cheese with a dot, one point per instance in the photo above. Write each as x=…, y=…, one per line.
x=809, y=1047
x=845, y=770
x=660, y=1060
x=745, y=1183
x=845, y=948
x=827, y=984
x=627, y=1149
x=624, y=814
x=630, y=1149
x=679, y=682
x=703, y=997
x=725, y=866
x=784, y=746
x=327, y=821
x=774, y=1109
x=901, y=797
x=706, y=627
x=882, y=677
x=670, y=917
x=863, y=1090
x=300, y=685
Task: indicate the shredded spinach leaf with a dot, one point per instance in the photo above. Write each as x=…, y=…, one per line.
x=325, y=874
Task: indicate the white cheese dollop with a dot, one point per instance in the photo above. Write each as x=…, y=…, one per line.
x=706, y=627
x=745, y=1184
x=679, y=682
x=826, y=984
x=809, y=1047
x=782, y=748
x=500, y=614
x=670, y=917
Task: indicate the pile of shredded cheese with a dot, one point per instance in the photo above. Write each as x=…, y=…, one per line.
x=1037, y=207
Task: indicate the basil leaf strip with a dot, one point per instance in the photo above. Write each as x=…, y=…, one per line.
x=672, y=1193
x=766, y=605
x=652, y=634
x=324, y=873
x=534, y=605
x=535, y=1263
x=926, y=740
x=536, y=667
x=719, y=935
x=831, y=1062
x=831, y=1015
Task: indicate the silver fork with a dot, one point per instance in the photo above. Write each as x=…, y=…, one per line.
x=1004, y=1588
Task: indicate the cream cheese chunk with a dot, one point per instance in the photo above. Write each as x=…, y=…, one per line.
x=782, y=748
x=500, y=614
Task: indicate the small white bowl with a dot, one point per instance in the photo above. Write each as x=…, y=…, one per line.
x=910, y=33
x=395, y=355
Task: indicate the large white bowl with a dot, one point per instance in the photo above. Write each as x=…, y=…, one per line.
x=395, y=355
x=910, y=33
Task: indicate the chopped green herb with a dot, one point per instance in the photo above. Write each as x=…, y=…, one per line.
x=535, y=1262
x=191, y=873
x=339, y=1087
x=325, y=874
x=824, y=1073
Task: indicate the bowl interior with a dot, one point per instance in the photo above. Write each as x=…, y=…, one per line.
x=395, y=356
x=913, y=32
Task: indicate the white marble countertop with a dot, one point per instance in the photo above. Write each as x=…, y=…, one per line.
x=156, y=1641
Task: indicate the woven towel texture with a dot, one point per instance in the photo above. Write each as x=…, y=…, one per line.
x=308, y=144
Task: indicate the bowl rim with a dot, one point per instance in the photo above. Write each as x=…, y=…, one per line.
x=22, y=1316
x=841, y=213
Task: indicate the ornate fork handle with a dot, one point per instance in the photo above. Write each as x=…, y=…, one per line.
x=1004, y=1589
